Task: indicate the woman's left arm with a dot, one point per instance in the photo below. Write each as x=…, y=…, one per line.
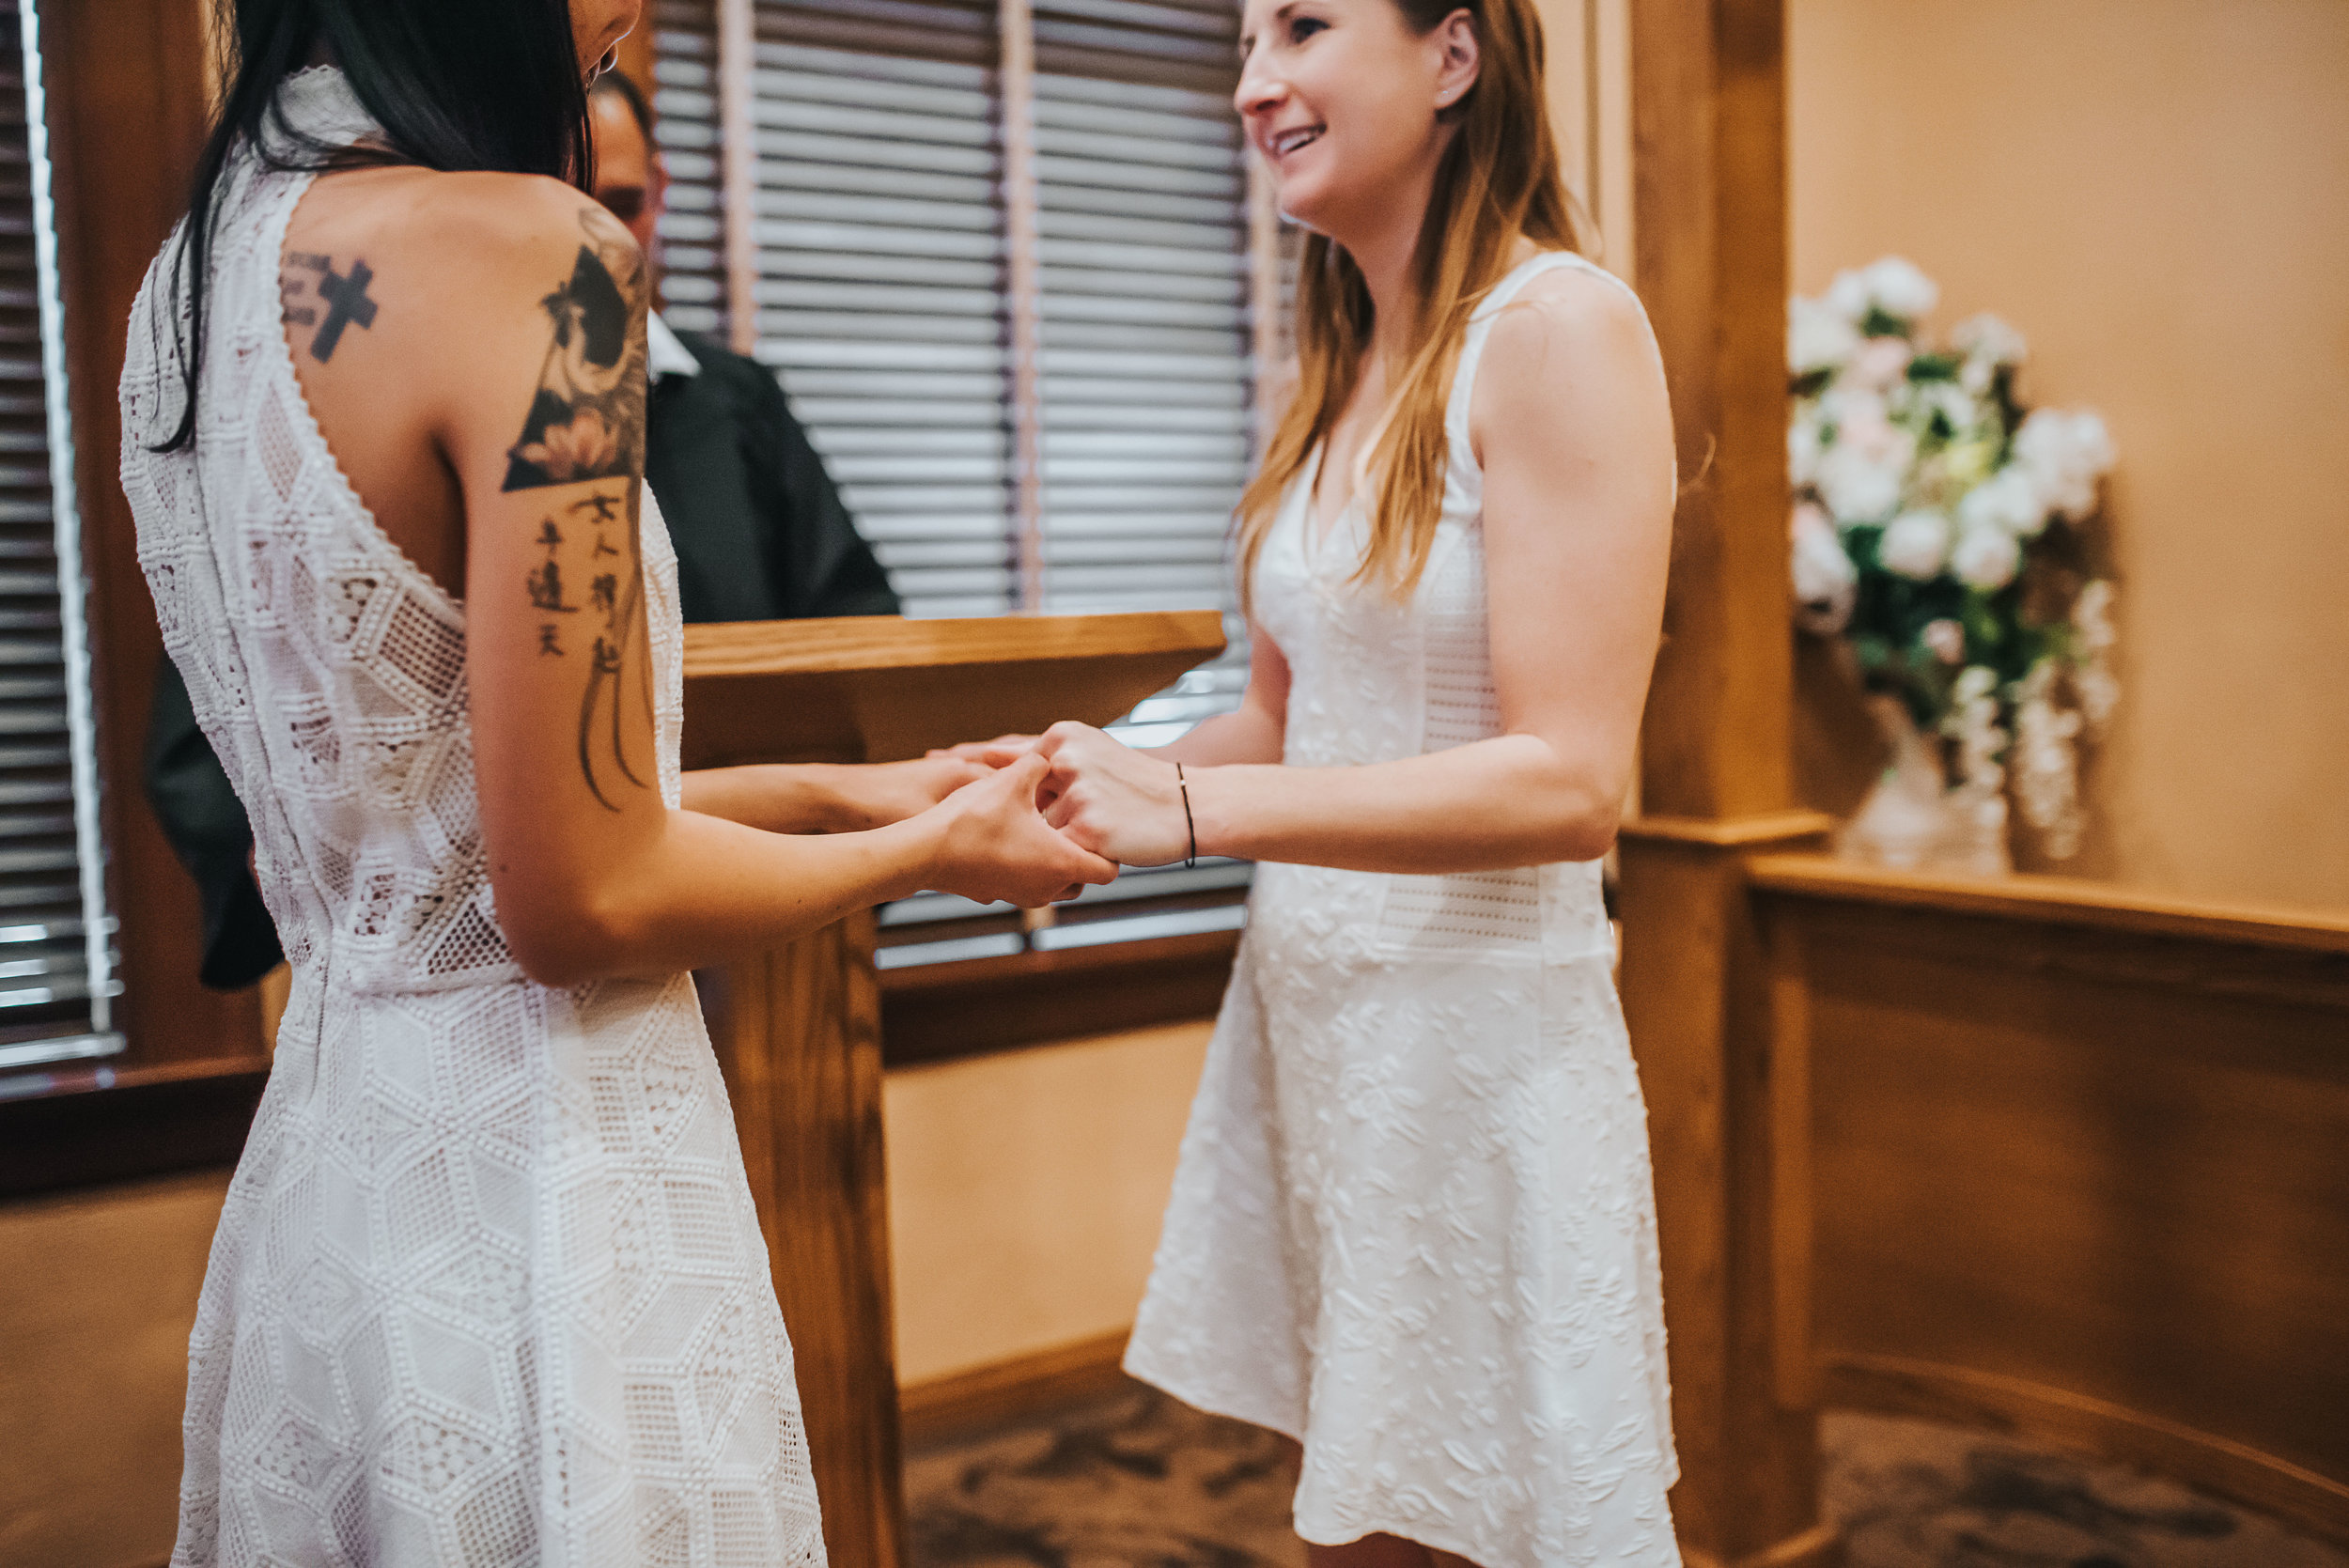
x=1573, y=429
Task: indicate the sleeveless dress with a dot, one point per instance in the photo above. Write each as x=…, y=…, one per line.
x=489, y=1289
x=1413, y=1224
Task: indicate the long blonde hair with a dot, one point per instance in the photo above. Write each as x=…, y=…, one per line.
x=1496, y=180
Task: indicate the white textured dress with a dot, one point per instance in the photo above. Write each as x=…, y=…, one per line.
x=488, y=1290
x=1413, y=1225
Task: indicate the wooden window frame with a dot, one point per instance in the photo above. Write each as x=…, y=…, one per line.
x=126, y=122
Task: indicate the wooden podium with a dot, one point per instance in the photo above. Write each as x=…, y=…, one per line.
x=798, y=1030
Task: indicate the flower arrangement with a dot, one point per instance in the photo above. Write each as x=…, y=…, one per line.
x=1938, y=527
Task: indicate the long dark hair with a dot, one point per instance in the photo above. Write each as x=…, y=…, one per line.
x=455, y=84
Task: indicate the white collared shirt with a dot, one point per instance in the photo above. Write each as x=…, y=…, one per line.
x=664, y=354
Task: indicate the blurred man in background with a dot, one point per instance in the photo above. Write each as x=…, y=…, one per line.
x=760, y=532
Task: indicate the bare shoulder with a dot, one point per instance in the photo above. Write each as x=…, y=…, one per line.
x=1571, y=373
x=1568, y=323
x=394, y=260
x=517, y=219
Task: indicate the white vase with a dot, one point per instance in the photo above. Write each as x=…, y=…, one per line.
x=1914, y=820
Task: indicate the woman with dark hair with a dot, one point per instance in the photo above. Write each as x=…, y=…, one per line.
x=1413, y=1225
x=489, y=1288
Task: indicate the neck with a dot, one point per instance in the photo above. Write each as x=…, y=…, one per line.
x=1384, y=247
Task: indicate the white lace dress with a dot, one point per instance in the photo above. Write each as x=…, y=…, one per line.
x=489, y=1289
x=1413, y=1225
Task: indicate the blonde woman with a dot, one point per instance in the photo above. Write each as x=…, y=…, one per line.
x=1413, y=1226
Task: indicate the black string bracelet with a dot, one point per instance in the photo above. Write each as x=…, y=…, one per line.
x=1180, y=783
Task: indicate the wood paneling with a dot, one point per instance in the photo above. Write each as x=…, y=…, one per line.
x=1720, y=1106
x=1003, y=1391
x=2079, y=1167
x=797, y=1035
x=878, y=688
x=938, y=1011
x=103, y=1124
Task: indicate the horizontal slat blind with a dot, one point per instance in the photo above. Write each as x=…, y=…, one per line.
x=1146, y=383
x=685, y=104
x=882, y=279
x=57, y=953
x=884, y=303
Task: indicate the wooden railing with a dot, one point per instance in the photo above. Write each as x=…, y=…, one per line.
x=2077, y=1164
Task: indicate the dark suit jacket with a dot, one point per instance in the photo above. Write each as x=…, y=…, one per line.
x=761, y=536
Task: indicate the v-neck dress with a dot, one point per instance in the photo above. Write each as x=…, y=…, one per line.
x=1413, y=1224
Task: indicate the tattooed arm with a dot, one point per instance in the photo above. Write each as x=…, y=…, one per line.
x=541, y=419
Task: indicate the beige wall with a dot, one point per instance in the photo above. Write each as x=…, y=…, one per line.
x=1025, y=1192
x=2157, y=191
x=96, y=1294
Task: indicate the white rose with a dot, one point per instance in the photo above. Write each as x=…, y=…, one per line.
x=1847, y=296
x=1986, y=558
x=1978, y=682
x=1857, y=487
x=1881, y=363
x=1989, y=340
x=1915, y=544
x=1803, y=449
x=1826, y=581
x=1817, y=338
x=1864, y=425
x=1898, y=288
x=2065, y=455
x=1946, y=639
x=2008, y=501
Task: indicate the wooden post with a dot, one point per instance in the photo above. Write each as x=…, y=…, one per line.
x=1709, y=109
x=798, y=1034
x=797, y=1030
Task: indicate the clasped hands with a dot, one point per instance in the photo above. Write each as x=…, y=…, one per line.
x=1104, y=796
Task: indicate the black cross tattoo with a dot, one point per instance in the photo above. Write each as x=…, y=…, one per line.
x=347, y=302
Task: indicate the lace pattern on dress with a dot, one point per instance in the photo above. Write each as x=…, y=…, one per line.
x=489, y=1289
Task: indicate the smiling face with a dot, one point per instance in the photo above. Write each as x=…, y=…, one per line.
x=1342, y=99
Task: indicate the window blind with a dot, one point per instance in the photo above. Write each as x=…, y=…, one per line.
x=685, y=98
x=56, y=939
x=889, y=303
x=882, y=281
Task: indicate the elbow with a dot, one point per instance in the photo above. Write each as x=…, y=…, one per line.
x=1588, y=834
x=1585, y=825
x=561, y=942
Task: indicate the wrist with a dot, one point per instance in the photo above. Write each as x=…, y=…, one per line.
x=831, y=801
x=911, y=851
x=1189, y=856
x=1210, y=802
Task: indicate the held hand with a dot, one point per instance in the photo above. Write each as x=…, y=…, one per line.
x=1002, y=751
x=892, y=791
x=993, y=844
x=1112, y=800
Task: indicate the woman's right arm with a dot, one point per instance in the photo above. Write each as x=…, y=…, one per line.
x=538, y=408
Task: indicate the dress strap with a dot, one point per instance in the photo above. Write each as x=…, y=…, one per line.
x=1480, y=327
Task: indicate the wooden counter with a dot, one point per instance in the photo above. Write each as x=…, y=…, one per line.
x=2079, y=1167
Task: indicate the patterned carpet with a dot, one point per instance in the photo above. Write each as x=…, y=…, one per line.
x=1139, y=1481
